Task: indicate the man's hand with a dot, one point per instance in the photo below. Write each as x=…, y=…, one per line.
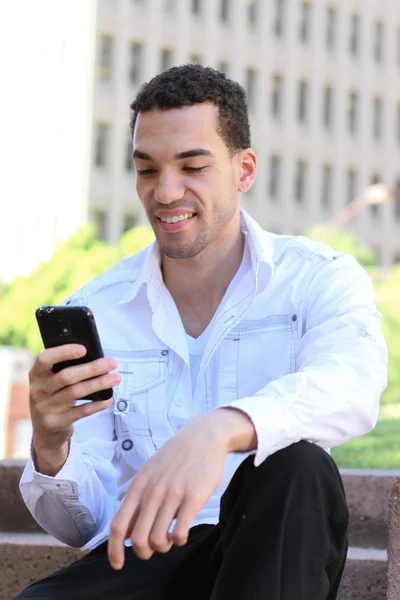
x=175, y=483
x=52, y=401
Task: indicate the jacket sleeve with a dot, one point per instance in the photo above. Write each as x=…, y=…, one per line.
x=77, y=504
x=341, y=369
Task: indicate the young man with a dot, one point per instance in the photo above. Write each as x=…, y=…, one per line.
x=236, y=356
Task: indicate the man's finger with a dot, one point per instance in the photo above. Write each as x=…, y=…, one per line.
x=120, y=529
x=184, y=519
x=73, y=375
x=140, y=536
x=160, y=540
x=49, y=357
x=88, y=408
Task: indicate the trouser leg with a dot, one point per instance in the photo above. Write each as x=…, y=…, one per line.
x=284, y=528
x=92, y=578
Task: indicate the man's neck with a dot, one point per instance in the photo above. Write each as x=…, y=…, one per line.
x=198, y=285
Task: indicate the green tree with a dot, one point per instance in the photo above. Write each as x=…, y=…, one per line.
x=75, y=262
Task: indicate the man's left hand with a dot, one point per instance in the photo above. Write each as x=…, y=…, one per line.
x=175, y=483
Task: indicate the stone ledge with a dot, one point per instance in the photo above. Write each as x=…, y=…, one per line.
x=28, y=557
x=367, y=491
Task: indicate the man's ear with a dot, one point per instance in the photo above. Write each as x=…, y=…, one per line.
x=247, y=160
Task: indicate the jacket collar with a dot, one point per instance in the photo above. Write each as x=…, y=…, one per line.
x=261, y=252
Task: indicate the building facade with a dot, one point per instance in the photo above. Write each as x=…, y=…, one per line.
x=323, y=85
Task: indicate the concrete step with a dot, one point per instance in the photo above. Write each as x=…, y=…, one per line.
x=365, y=575
x=368, y=494
x=367, y=491
x=24, y=558
x=27, y=557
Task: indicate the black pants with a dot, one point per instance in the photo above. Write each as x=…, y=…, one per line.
x=282, y=535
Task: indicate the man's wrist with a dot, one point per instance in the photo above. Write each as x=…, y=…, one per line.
x=49, y=461
x=237, y=429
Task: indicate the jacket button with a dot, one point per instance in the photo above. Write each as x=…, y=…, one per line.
x=164, y=353
x=294, y=318
x=127, y=445
x=121, y=405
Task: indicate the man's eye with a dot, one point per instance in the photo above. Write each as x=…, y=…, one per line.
x=194, y=169
x=145, y=171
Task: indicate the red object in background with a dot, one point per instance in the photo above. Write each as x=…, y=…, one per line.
x=18, y=411
x=15, y=422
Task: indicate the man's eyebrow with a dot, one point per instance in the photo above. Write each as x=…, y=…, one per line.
x=181, y=155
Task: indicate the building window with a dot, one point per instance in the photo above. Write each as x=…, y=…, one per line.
x=375, y=208
x=278, y=19
x=302, y=102
x=305, y=22
x=274, y=176
x=377, y=118
x=354, y=34
x=276, y=96
x=129, y=221
x=397, y=200
x=300, y=181
x=135, y=62
x=328, y=107
x=105, y=57
x=326, y=191
x=101, y=144
x=351, y=185
x=251, y=88
x=353, y=113
x=252, y=13
x=196, y=7
x=331, y=15
x=195, y=59
x=378, y=42
x=223, y=66
x=170, y=7
x=129, y=152
x=166, y=59
x=99, y=218
x=224, y=9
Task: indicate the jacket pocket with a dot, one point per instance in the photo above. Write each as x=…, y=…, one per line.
x=265, y=351
x=139, y=398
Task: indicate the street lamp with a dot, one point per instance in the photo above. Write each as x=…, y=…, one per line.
x=378, y=193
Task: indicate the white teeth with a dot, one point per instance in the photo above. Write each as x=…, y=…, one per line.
x=176, y=219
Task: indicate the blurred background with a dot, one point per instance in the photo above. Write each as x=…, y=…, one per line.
x=323, y=84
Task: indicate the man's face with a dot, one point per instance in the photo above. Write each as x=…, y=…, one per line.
x=187, y=180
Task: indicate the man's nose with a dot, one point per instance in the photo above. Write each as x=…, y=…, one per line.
x=169, y=188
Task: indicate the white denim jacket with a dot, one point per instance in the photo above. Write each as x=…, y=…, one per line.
x=298, y=347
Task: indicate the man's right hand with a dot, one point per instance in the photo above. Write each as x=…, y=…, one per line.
x=52, y=400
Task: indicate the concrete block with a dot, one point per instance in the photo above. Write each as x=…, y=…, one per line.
x=14, y=516
x=25, y=558
x=368, y=493
x=394, y=544
x=364, y=580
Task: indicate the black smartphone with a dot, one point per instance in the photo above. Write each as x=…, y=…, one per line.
x=61, y=325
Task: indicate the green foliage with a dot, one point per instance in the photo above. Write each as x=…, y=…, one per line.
x=379, y=449
x=343, y=241
x=81, y=258
x=387, y=287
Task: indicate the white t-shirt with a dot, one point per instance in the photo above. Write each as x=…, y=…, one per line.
x=196, y=346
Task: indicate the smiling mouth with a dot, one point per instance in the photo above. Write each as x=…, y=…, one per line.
x=177, y=219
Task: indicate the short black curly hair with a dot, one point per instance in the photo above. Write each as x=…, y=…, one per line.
x=191, y=84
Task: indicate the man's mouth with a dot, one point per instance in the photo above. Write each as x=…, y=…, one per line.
x=177, y=219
